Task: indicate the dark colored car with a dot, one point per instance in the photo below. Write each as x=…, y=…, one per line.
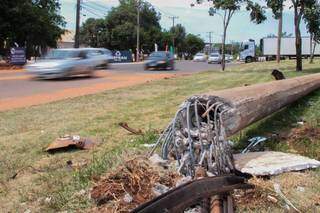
x=160, y=60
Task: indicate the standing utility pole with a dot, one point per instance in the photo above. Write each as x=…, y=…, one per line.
x=173, y=36
x=76, y=40
x=138, y=31
x=210, y=41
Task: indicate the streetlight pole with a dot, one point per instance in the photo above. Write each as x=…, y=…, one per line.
x=173, y=36
x=138, y=31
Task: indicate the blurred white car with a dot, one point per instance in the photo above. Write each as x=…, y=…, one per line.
x=60, y=63
x=214, y=58
x=228, y=57
x=200, y=57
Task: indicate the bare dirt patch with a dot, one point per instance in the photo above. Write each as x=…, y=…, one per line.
x=116, y=81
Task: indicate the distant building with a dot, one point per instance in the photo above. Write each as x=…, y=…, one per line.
x=207, y=49
x=67, y=40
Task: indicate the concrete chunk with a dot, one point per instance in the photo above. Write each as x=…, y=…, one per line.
x=272, y=163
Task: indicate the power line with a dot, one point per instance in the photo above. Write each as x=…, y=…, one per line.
x=98, y=5
x=93, y=13
x=97, y=10
x=85, y=6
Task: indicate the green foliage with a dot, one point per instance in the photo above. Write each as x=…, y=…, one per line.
x=193, y=44
x=94, y=32
x=276, y=7
x=312, y=19
x=32, y=23
x=118, y=29
x=179, y=34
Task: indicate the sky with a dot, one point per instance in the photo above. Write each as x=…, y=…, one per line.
x=195, y=19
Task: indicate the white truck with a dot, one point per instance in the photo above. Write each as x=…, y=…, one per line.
x=268, y=48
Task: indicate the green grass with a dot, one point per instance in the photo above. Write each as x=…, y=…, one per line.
x=24, y=133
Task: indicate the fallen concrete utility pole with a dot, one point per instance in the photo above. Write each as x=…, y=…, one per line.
x=197, y=136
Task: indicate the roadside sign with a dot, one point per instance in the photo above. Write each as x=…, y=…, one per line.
x=122, y=56
x=18, y=56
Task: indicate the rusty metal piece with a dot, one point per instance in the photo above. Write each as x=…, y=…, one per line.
x=216, y=204
x=70, y=142
x=186, y=195
x=129, y=129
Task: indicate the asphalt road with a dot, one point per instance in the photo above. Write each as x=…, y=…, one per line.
x=18, y=89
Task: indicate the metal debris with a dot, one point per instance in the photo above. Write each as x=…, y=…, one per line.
x=277, y=189
x=70, y=142
x=272, y=163
x=129, y=129
x=182, y=197
x=253, y=142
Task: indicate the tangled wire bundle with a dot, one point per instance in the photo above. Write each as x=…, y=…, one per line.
x=196, y=137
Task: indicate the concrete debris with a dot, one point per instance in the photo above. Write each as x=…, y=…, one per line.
x=68, y=142
x=27, y=211
x=80, y=193
x=300, y=189
x=196, y=209
x=272, y=163
x=183, y=180
x=277, y=189
x=159, y=189
x=155, y=159
x=147, y=145
x=47, y=200
x=272, y=199
x=127, y=198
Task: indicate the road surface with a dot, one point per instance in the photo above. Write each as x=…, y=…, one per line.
x=18, y=89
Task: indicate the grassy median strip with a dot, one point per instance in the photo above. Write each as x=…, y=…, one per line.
x=44, y=182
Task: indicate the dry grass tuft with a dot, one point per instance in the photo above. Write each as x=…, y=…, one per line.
x=136, y=177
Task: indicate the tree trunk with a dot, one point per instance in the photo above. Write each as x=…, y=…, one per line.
x=279, y=37
x=223, y=52
x=298, y=40
x=312, y=52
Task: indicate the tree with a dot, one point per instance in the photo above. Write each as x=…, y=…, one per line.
x=34, y=24
x=226, y=9
x=121, y=22
x=312, y=19
x=300, y=7
x=193, y=44
x=179, y=34
x=118, y=30
x=94, y=33
x=277, y=9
